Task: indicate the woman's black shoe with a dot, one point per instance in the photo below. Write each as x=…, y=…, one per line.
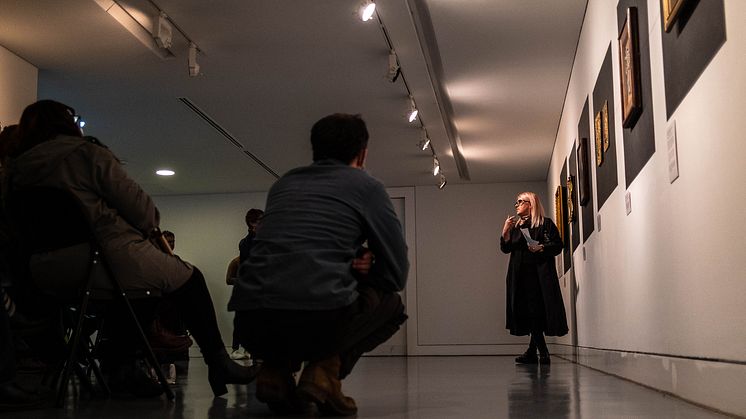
x=223, y=370
x=527, y=358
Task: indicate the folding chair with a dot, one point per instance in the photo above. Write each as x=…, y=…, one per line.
x=47, y=219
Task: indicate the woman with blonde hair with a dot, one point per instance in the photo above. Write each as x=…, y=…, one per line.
x=534, y=301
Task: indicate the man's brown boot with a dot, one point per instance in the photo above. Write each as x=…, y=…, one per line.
x=275, y=386
x=320, y=384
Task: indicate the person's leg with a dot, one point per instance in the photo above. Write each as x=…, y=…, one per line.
x=359, y=328
x=537, y=338
x=11, y=395
x=195, y=304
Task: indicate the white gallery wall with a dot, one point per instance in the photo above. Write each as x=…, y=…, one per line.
x=662, y=291
x=18, y=83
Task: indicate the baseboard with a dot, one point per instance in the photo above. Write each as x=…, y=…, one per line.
x=718, y=385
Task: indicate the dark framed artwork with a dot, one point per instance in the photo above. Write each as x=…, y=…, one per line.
x=571, y=213
x=559, y=214
x=671, y=9
x=598, y=133
x=584, y=190
x=629, y=69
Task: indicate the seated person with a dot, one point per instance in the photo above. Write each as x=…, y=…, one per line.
x=308, y=292
x=53, y=153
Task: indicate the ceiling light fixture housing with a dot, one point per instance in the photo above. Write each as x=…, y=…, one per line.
x=424, y=142
x=436, y=166
x=443, y=181
x=412, y=114
x=367, y=9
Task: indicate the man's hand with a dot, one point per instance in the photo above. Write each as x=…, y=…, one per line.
x=363, y=263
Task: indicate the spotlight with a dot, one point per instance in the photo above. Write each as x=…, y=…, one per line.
x=424, y=142
x=165, y=172
x=436, y=166
x=443, y=181
x=412, y=110
x=193, y=65
x=163, y=33
x=367, y=10
x=394, y=69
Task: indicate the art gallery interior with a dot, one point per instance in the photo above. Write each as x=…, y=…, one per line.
x=639, y=149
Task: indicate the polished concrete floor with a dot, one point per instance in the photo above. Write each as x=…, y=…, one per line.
x=418, y=387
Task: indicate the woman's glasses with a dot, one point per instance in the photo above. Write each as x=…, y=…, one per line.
x=520, y=202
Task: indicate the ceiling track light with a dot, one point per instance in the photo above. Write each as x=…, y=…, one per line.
x=436, y=166
x=412, y=114
x=394, y=69
x=443, y=181
x=425, y=141
x=367, y=9
x=163, y=33
x=193, y=64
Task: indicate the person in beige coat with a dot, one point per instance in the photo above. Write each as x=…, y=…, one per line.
x=52, y=152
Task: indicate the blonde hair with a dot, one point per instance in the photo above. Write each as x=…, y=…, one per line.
x=537, y=210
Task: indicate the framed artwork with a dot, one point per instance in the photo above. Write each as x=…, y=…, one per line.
x=605, y=122
x=571, y=199
x=559, y=204
x=671, y=9
x=598, y=131
x=584, y=190
x=629, y=69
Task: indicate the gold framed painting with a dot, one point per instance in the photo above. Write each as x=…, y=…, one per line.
x=629, y=69
x=559, y=204
x=671, y=9
x=571, y=216
x=598, y=132
x=584, y=190
x=605, y=122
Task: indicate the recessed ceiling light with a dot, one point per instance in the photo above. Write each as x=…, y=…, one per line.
x=165, y=172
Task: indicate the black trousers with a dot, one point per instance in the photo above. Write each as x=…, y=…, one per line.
x=289, y=337
x=194, y=304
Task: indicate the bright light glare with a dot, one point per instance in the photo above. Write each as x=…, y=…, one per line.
x=368, y=12
x=436, y=167
x=81, y=123
x=413, y=115
x=165, y=172
x=425, y=143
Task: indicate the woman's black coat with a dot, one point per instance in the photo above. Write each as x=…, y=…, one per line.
x=548, y=235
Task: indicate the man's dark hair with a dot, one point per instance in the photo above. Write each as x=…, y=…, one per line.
x=339, y=136
x=253, y=215
x=44, y=120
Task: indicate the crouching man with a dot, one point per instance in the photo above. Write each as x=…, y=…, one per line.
x=310, y=292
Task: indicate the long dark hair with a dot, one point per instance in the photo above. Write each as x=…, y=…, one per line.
x=44, y=120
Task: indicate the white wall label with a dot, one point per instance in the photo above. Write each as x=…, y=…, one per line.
x=673, y=159
x=628, y=202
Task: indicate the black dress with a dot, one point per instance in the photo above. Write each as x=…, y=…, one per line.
x=534, y=300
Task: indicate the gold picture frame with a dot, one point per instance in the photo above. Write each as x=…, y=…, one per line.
x=629, y=69
x=571, y=214
x=559, y=204
x=598, y=131
x=671, y=9
x=605, y=122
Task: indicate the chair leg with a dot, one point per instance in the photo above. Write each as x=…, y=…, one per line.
x=147, y=348
x=72, y=355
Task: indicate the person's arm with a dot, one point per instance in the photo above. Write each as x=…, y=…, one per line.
x=232, y=273
x=506, y=244
x=551, y=241
x=122, y=193
x=386, y=241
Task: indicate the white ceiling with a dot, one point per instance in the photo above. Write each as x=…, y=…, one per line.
x=493, y=73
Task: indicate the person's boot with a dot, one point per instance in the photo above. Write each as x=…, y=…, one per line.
x=528, y=357
x=275, y=386
x=223, y=370
x=544, y=358
x=319, y=383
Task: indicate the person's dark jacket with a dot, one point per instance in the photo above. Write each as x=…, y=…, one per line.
x=554, y=308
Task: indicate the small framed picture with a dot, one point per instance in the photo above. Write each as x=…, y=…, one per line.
x=571, y=199
x=629, y=69
x=671, y=9
x=584, y=190
x=559, y=204
x=598, y=132
x=605, y=122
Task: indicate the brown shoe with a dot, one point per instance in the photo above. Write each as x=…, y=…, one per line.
x=275, y=386
x=320, y=384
